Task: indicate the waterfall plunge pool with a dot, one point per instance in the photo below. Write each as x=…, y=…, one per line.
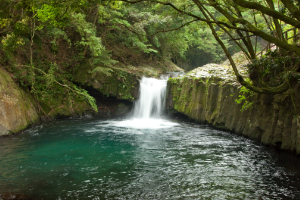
x=95, y=159
x=146, y=156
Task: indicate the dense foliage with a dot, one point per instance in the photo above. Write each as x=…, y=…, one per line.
x=44, y=42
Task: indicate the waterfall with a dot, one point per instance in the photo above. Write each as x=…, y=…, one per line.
x=148, y=109
x=152, y=98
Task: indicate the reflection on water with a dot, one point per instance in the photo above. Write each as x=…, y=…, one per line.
x=92, y=159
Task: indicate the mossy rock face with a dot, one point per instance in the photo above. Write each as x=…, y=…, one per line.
x=115, y=82
x=17, y=110
x=121, y=81
x=62, y=106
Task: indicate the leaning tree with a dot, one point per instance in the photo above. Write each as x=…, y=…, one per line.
x=242, y=21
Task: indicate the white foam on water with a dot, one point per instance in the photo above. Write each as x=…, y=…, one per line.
x=149, y=123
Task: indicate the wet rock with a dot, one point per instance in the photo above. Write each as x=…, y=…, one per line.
x=3, y=130
x=17, y=110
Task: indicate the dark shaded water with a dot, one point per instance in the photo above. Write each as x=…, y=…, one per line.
x=90, y=159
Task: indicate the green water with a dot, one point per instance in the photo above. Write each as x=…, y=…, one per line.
x=91, y=159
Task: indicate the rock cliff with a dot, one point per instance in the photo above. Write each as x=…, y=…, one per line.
x=16, y=108
x=208, y=95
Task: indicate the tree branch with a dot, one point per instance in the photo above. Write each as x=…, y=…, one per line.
x=256, y=31
x=229, y=34
x=190, y=14
x=163, y=31
x=63, y=13
x=292, y=8
x=241, y=38
x=268, y=11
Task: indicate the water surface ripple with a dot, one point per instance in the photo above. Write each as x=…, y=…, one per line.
x=93, y=159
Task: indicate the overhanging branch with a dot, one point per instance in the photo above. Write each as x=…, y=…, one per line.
x=268, y=11
x=241, y=38
x=162, y=31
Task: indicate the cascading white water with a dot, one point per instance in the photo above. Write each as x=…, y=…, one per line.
x=148, y=109
x=152, y=98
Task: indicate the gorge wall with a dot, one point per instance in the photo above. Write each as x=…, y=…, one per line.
x=17, y=110
x=113, y=89
x=207, y=95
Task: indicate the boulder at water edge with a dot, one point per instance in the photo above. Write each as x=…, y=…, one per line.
x=16, y=108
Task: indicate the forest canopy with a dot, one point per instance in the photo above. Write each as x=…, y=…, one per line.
x=104, y=33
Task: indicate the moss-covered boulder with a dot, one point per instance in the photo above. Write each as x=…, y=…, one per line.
x=62, y=105
x=209, y=94
x=17, y=110
x=115, y=82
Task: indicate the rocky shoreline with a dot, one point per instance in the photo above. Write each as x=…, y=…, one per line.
x=208, y=95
